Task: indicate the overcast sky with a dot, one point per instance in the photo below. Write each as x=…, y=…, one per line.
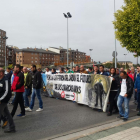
x=41, y=23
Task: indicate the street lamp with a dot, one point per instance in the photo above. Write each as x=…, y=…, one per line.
x=5, y=50
x=90, y=52
x=67, y=16
x=125, y=60
x=115, y=40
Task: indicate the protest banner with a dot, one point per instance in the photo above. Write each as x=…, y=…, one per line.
x=91, y=90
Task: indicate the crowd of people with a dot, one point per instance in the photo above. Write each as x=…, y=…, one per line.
x=25, y=82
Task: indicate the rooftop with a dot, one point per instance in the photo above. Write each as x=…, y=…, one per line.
x=35, y=50
x=61, y=48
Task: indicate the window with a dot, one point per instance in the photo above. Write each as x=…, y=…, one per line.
x=35, y=57
x=31, y=61
x=35, y=61
x=32, y=57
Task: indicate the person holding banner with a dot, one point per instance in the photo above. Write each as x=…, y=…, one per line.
x=77, y=70
x=96, y=70
x=126, y=91
x=82, y=70
x=113, y=91
x=90, y=70
x=102, y=72
x=47, y=71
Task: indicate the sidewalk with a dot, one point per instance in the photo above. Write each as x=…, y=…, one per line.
x=117, y=130
x=128, y=131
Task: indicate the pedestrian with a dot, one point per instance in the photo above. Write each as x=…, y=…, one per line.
x=61, y=70
x=90, y=70
x=39, y=70
x=73, y=69
x=36, y=89
x=68, y=70
x=18, y=87
x=53, y=71
x=121, y=69
x=128, y=71
x=77, y=69
x=113, y=92
x=137, y=90
x=117, y=72
x=9, y=74
x=102, y=72
x=27, y=86
x=5, y=95
x=47, y=71
x=126, y=91
x=96, y=69
x=132, y=74
x=135, y=95
x=82, y=70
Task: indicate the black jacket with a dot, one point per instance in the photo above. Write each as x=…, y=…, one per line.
x=5, y=90
x=8, y=76
x=28, y=82
x=130, y=85
x=36, y=79
x=115, y=83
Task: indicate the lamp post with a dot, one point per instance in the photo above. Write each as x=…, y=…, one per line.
x=90, y=52
x=67, y=16
x=5, y=50
x=115, y=39
x=125, y=60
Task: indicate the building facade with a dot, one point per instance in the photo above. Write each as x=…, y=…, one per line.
x=2, y=48
x=40, y=57
x=74, y=56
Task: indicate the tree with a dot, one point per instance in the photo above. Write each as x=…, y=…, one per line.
x=127, y=26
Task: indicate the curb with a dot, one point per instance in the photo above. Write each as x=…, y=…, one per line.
x=104, y=129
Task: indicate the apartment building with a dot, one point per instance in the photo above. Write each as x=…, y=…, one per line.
x=40, y=57
x=11, y=55
x=74, y=55
x=2, y=48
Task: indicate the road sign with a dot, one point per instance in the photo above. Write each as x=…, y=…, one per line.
x=113, y=54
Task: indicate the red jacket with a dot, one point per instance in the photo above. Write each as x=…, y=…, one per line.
x=18, y=82
x=132, y=76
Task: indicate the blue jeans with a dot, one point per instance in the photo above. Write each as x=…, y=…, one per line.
x=36, y=92
x=120, y=101
x=25, y=96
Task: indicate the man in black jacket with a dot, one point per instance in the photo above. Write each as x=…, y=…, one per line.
x=126, y=91
x=27, y=86
x=9, y=74
x=36, y=89
x=5, y=95
x=113, y=91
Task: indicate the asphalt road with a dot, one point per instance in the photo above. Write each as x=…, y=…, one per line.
x=58, y=118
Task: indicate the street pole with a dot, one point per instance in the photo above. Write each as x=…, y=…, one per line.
x=115, y=39
x=68, y=15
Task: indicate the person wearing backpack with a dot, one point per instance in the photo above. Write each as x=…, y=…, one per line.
x=5, y=95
